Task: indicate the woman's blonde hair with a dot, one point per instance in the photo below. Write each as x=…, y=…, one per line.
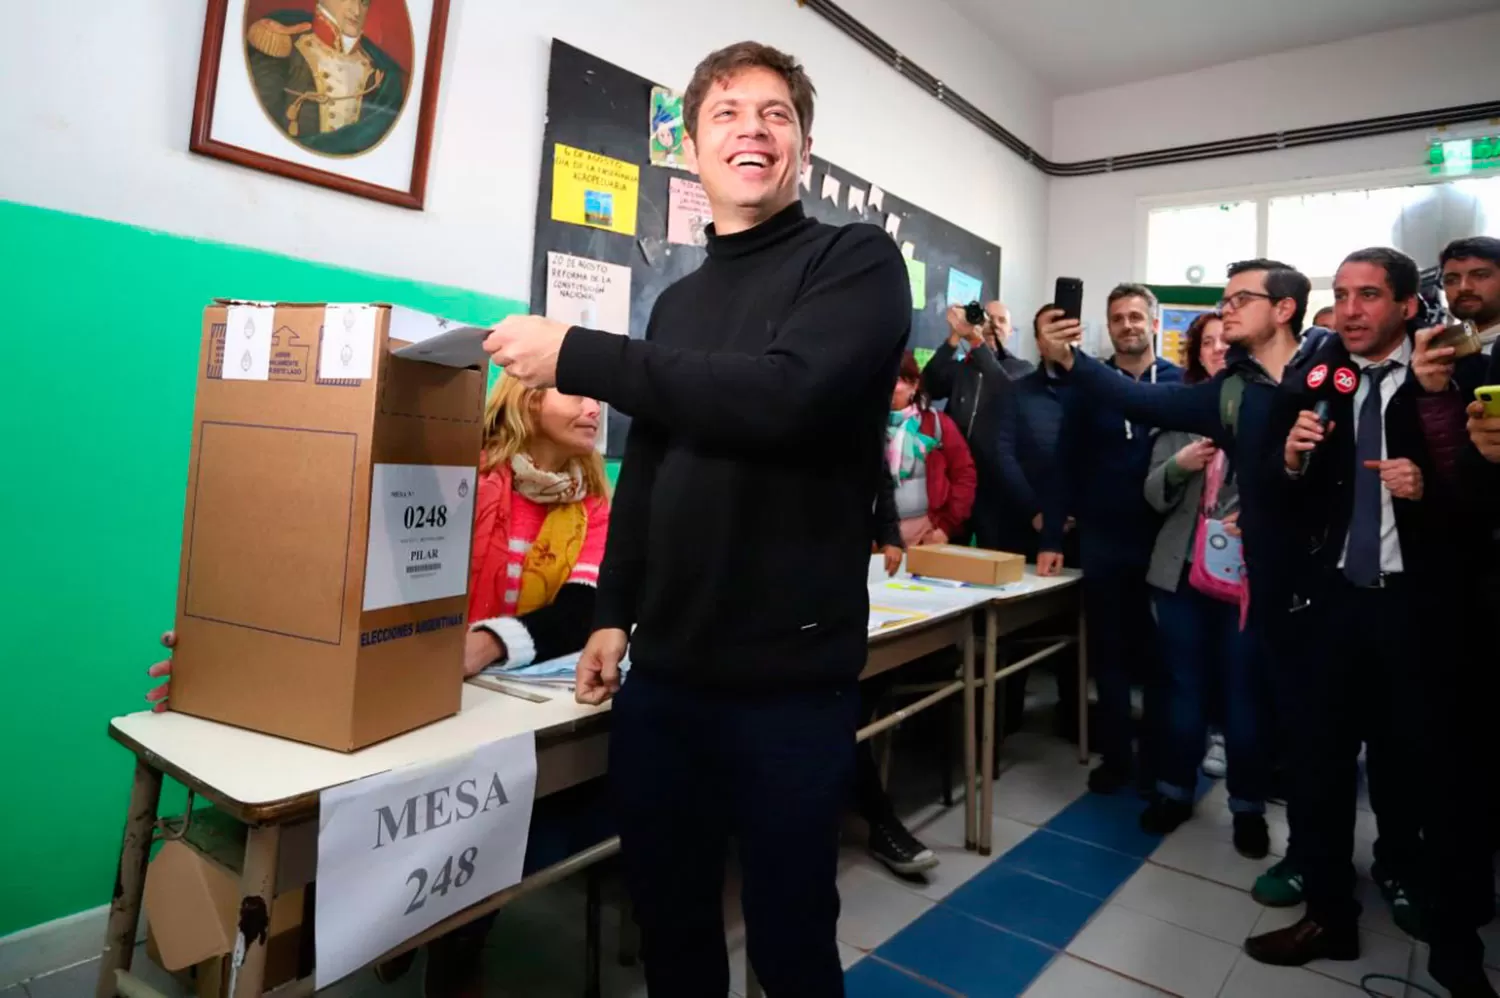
x=510, y=426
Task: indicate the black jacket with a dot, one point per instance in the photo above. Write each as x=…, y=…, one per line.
x=973, y=388
x=739, y=540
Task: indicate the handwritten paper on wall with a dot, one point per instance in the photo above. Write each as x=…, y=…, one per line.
x=916, y=270
x=688, y=213
x=589, y=293
x=594, y=190
x=963, y=288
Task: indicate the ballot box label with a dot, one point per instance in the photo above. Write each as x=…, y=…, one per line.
x=403, y=850
x=421, y=519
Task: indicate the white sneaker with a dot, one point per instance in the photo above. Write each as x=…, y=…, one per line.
x=1215, y=763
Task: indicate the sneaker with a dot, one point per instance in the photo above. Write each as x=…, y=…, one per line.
x=1163, y=816
x=1216, y=762
x=899, y=850
x=1279, y=887
x=1108, y=779
x=1252, y=839
x=1404, y=911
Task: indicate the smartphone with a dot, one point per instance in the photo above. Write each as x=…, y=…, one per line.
x=1490, y=396
x=1068, y=296
x=1463, y=337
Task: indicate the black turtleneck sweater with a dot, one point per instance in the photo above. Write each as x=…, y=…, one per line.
x=739, y=539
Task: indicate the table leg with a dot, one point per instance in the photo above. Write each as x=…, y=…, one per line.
x=247, y=972
x=130, y=878
x=1083, y=686
x=987, y=751
x=971, y=813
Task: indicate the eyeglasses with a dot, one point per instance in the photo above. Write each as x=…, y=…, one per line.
x=1240, y=299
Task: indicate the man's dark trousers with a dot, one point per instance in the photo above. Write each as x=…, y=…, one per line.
x=1122, y=651
x=692, y=768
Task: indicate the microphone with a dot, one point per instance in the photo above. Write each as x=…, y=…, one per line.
x=1342, y=379
x=1321, y=411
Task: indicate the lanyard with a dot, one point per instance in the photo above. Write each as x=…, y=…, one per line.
x=1129, y=431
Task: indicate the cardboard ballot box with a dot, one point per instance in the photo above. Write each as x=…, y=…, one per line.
x=963, y=564
x=330, y=506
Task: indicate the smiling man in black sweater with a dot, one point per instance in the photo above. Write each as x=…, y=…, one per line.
x=739, y=541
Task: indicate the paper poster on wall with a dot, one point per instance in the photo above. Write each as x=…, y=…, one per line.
x=1172, y=341
x=893, y=225
x=857, y=200
x=594, y=190
x=877, y=199
x=962, y=288
x=589, y=293
x=909, y=249
x=922, y=355
x=688, y=212
x=831, y=189
x=421, y=518
x=403, y=850
x=916, y=270
x=666, y=129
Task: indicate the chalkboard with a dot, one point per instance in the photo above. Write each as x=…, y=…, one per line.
x=595, y=106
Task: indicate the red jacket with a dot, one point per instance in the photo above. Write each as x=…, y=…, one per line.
x=951, y=478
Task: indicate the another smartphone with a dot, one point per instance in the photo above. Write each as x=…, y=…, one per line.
x=1068, y=296
x=1463, y=337
x=1490, y=396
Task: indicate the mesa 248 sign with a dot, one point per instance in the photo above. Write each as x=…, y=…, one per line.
x=403, y=850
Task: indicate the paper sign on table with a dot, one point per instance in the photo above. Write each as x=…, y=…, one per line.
x=916, y=270
x=666, y=129
x=594, y=190
x=403, y=850
x=877, y=199
x=588, y=293
x=857, y=200
x=893, y=225
x=688, y=213
x=831, y=188
x=248, y=330
x=962, y=288
x=347, y=350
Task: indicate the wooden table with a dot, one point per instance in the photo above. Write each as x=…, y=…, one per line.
x=272, y=785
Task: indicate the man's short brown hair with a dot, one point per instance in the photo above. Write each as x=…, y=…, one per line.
x=720, y=66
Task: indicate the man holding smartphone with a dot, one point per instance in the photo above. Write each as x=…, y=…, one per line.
x=1104, y=458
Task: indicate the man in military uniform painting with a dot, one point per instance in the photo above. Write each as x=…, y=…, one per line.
x=327, y=86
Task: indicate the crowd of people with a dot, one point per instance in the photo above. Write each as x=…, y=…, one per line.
x=1289, y=545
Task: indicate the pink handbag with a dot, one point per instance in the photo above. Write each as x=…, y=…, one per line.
x=1218, y=568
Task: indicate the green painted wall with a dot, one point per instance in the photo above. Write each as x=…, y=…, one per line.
x=99, y=332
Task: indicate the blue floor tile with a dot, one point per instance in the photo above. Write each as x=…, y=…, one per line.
x=1090, y=869
x=966, y=956
x=1026, y=905
x=870, y=978
x=1113, y=822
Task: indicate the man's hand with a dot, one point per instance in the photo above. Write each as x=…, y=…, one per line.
x=1056, y=336
x=598, y=675
x=157, y=696
x=1432, y=366
x=1232, y=524
x=893, y=556
x=1484, y=432
x=1400, y=477
x=527, y=347
x=958, y=325
x=1306, y=434
x=1036, y=523
x=481, y=649
x=936, y=536
x=1196, y=455
x=1049, y=563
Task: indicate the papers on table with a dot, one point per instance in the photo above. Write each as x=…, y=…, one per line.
x=882, y=617
x=557, y=673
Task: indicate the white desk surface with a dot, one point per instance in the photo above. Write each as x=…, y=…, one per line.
x=257, y=769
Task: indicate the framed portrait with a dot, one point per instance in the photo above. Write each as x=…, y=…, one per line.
x=339, y=93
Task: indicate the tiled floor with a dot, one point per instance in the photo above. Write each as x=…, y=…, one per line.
x=1075, y=903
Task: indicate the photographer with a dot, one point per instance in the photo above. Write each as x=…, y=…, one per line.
x=972, y=370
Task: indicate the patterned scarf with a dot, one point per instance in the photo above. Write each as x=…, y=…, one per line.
x=906, y=445
x=547, y=488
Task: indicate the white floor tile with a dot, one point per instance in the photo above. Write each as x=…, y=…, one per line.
x=1378, y=954
x=1034, y=792
x=874, y=908
x=1151, y=951
x=1258, y=980
x=1191, y=903
x=849, y=956
x=1208, y=852
x=1069, y=977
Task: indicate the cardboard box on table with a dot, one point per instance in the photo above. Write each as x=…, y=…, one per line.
x=330, y=505
x=963, y=564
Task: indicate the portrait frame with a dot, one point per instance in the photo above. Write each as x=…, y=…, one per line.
x=225, y=124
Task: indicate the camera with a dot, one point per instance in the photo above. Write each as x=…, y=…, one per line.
x=974, y=313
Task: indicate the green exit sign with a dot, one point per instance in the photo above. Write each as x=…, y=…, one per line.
x=1460, y=156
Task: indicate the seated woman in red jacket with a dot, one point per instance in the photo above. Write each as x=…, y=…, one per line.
x=541, y=517
x=934, y=478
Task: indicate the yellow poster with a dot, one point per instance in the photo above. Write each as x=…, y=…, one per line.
x=590, y=189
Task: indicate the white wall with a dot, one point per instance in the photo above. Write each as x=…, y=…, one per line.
x=114, y=144
x=1092, y=220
